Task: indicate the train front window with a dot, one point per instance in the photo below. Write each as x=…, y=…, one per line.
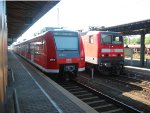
x=106, y=39
x=111, y=39
x=66, y=42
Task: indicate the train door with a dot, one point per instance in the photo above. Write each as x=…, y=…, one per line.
x=32, y=52
x=25, y=50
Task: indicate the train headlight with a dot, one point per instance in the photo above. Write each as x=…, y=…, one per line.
x=52, y=60
x=121, y=55
x=103, y=55
x=82, y=58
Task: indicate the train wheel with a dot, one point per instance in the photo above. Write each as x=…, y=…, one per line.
x=118, y=72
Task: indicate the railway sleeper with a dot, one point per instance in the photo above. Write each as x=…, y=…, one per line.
x=66, y=84
x=71, y=87
x=95, y=102
x=102, y=106
x=84, y=96
x=87, y=94
x=78, y=92
x=76, y=89
x=113, y=111
x=109, y=108
x=89, y=98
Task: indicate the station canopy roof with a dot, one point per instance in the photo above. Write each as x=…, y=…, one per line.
x=23, y=14
x=134, y=28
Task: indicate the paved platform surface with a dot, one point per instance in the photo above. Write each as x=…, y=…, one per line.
x=134, y=69
x=38, y=94
x=136, y=63
x=138, y=73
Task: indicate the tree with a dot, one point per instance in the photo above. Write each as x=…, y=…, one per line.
x=125, y=40
x=147, y=40
x=135, y=40
x=138, y=41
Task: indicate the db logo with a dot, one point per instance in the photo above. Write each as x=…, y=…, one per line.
x=68, y=60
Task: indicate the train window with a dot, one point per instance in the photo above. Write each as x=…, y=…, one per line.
x=36, y=51
x=111, y=39
x=37, y=48
x=28, y=48
x=66, y=42
x=32, y=48
x=43, y=43
x=106, y=39
x=91, y=40
x=117, y=39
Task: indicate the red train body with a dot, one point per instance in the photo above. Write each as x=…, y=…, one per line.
x=54, y=51
x=104, y=51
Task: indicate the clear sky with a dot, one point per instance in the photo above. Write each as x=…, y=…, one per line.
x=78, y=14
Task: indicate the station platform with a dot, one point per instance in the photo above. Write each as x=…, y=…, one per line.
x=137, y=72
x=36, y=93
x=136, y=63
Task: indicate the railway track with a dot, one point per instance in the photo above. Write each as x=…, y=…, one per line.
x=120, y=89
x=138, y=88
x=135, y=74
x=100, y=102
x=133, y=82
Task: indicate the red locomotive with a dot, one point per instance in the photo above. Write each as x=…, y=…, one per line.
x=104, y=51
x=55, y=51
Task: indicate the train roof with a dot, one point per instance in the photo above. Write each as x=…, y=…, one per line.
x=96, y=32
x=53, y=29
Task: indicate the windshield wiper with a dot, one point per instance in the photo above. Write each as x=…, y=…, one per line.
x=67, y=49
x=106, y=43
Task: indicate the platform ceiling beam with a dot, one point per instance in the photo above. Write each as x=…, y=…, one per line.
x=21, y=15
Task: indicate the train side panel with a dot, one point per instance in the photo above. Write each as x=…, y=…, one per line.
x=39, y=52
x=91, y=48
x=82, y=56
x=52, y=64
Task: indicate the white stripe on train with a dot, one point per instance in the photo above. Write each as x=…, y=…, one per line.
x=111, y=50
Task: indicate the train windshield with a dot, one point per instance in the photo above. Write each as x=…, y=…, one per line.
x=111, y=39
x=66, y=42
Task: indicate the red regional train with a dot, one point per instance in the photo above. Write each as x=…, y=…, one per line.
x=56, y=51
x=104, y=51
